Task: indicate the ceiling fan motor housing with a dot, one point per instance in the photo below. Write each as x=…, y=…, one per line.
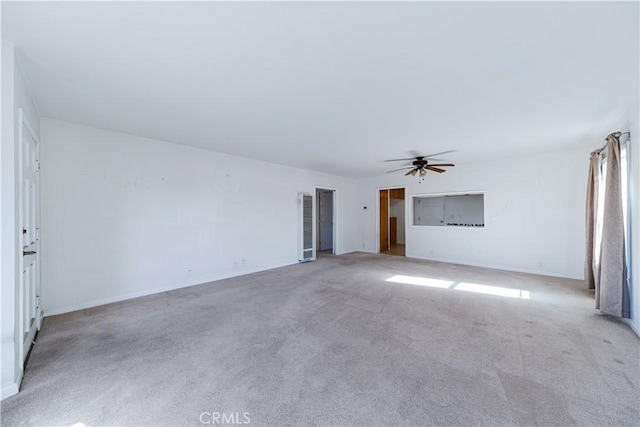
x=420, y=163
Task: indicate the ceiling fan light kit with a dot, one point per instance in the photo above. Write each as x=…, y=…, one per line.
x=421, y=164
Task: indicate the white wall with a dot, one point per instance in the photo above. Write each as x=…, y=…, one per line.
x=124, y=216
x=396, y=208
x=15, y=95
x=534, y=214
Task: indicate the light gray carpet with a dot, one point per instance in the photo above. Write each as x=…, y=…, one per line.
x=331, y=343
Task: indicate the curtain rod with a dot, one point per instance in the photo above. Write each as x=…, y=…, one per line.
x=617, y=134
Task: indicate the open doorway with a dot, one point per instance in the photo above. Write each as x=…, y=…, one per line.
x=392, y=221
x=325, y=221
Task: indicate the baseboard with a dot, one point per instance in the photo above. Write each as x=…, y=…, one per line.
x=124, y=297
x=633, y=326
x=366, y=251
x=491, y=266
x=350, y=251
x=12, y=389
x=118, y=298
x=501, y=267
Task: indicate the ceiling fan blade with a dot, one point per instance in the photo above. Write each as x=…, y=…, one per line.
x=401, y=169
x=411, y=172
x=442, y=164
x=431, y=168
x=437, y=154
x=399, y=160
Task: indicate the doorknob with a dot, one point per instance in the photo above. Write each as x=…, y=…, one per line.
x=25, y=253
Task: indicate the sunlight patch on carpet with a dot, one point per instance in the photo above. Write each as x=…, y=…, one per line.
x=460, y=286
x=420, y=281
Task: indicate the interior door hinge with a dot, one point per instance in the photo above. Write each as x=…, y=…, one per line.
x=37, y=165
x=37, y=302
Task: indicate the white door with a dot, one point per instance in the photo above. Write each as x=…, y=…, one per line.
x=29, y=311
x=325, y=219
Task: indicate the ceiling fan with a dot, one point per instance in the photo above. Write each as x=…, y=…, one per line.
x=421, y=164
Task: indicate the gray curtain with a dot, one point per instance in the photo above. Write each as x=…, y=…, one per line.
x=593, y=183
x=611, y=286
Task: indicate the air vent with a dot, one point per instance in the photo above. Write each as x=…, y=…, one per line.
x=305, y=227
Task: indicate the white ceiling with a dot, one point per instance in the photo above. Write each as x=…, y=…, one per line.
x=336, y=87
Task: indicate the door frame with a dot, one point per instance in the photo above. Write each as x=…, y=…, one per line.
x=23, y=123
x=406, y=235
x=335, y=218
